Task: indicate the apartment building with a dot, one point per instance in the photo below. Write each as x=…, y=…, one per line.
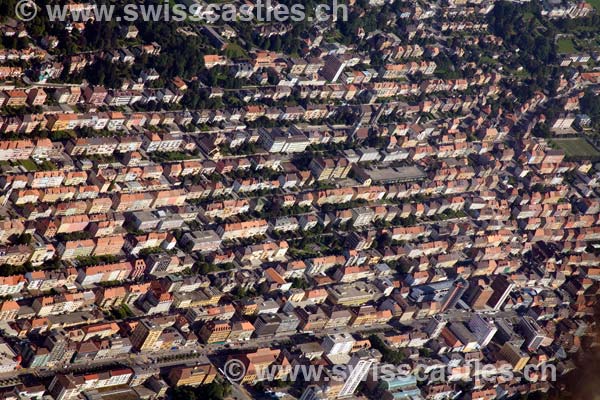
x=88, y=276
x=242, y=230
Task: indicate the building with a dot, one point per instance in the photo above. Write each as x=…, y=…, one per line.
x=215, y=331
x=329, y=168
x=260, y=359
x=109, y=245
x=203, y=241
x=16, y=149
x=145, y=335
x=334, y=66
x=66, y=387
x=358, y=366
x=104, y=273
x=63, y=387
x=478, y=295
x=464, y=337
x=533, y=333
x=267, y=324
x=502, y=286
x=288, y=325
x=243, y=230
x=456, y=291
x=76, y=248
x=352, y=294
x=435, y=326
x=514, y=355
x=276, y=140
x=92, y=146
x=337, y=343
x=483, y=329
x=8, y=358
x=202, y=373
x=436, y=291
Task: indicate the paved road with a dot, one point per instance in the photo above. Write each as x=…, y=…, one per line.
x=168, y=358
x=239, y=393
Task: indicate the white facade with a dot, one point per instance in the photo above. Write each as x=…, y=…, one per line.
x=358, y=368
x=338, y=343
x=483, y=329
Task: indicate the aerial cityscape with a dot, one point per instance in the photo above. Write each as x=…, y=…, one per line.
x=361, y=199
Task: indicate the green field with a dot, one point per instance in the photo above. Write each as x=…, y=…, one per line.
x=234, y=50
x=595, y=4
x=576, y=148
x=29, y=165
x=566, y=45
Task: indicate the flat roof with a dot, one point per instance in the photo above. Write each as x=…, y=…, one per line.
x=397, y=174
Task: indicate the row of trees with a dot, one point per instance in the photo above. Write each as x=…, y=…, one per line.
x=212, y=391
x=590, y=104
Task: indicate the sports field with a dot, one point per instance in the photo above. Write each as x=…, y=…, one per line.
x=577, y=147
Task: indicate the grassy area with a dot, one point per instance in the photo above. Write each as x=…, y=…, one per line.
x=566, y=45
x=595, y=4
x=162, y=156
x=577, y=148
x=234, y=50
x=488, y=60
x=29, y=165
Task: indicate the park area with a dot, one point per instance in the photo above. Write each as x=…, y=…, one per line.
x=577, y=148
x=566, y=46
